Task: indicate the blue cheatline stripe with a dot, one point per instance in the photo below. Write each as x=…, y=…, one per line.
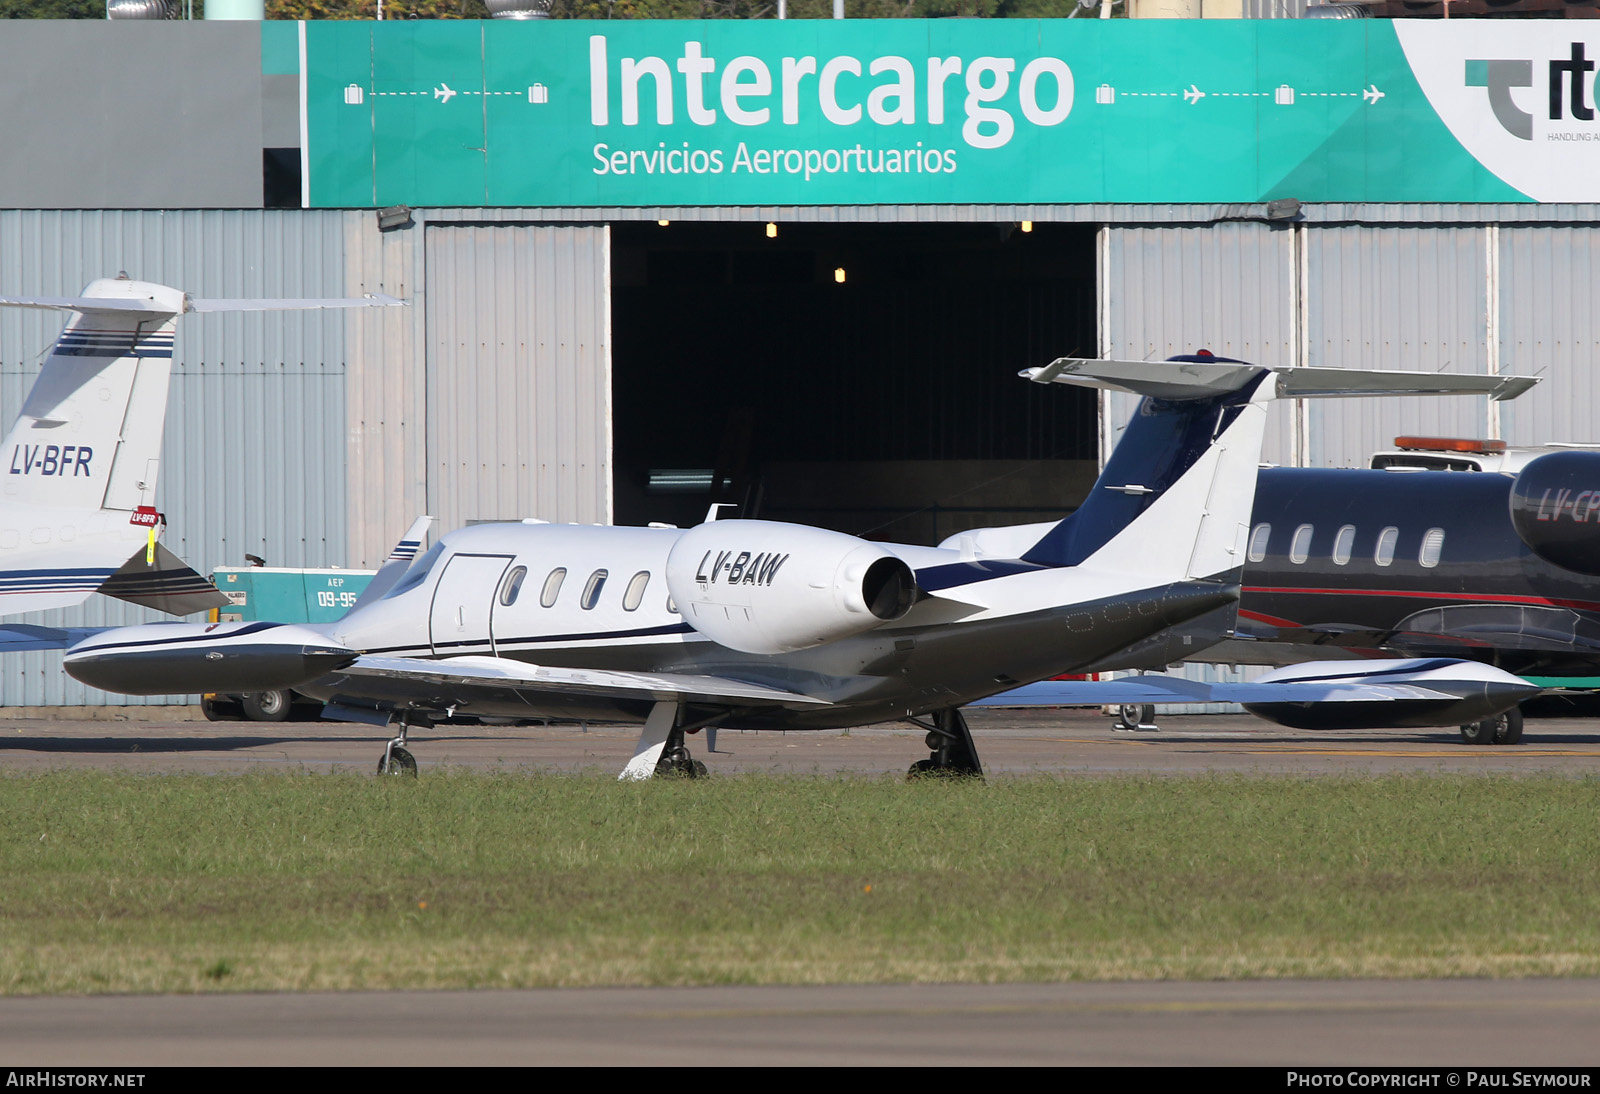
x=97, y=343
x=185, y=639
x=642, y=632
x=12, y=581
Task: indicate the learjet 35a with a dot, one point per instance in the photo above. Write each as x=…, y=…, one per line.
x=761, y=625
x=78, y=468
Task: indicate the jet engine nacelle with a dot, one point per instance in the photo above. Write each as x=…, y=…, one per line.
x=1555, y=508
x=763, y=587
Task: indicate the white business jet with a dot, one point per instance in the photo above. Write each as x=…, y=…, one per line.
x=760, y=625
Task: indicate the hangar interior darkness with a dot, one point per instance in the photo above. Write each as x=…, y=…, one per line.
x=885, y=405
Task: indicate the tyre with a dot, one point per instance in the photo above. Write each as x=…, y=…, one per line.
x=1479, y=733
x=219, y=709
x=1508, y=729
x=398, y=762
x=266, y=706
x=1134, y=715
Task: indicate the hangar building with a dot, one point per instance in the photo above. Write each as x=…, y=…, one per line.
x=792, y=266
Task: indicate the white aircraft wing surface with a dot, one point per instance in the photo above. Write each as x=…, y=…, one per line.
x=1167, y=689
x=464, y=674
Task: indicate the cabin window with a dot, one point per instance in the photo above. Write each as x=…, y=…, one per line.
x=1383, y=554
x=1432, y=545
x=635, y=591
x=591, y=591
x=512, y=586
x=552, y=586
x=1300, y=546
x=1342, y=544
x=1258, y=542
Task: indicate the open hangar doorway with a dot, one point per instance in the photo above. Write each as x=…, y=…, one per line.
x=861, y=377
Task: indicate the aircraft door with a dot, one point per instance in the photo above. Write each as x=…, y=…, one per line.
x=463, y=602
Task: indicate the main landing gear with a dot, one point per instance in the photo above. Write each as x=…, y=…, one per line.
x=397, y=760
x=661, y=752
x=950, y=742
x=1502, y=729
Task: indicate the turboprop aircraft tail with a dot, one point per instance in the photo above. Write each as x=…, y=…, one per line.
x=1189, y=458
x=78, y=468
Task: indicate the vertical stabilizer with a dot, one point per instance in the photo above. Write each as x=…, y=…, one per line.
x=89, y=434
x=78, y=467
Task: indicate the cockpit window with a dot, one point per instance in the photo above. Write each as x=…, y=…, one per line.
x=418, y=572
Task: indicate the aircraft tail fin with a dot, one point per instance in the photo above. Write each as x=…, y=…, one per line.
x=394, y=567
x=1189, y=457
x=1187, y=460
x=86, y=445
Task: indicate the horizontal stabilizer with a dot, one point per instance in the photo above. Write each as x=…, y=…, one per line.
x=1174, y=380
x=168, y=585
x=1304, y=383
x=466, y=673
x=169, y=302
x=1199, y=377
x=17, y=637
x=370, y=300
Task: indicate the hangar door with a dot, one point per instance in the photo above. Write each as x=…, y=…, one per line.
x=518, y=373
x=855, y=375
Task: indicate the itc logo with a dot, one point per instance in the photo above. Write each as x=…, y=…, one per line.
x=1569, y=89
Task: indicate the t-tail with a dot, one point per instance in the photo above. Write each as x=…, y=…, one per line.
x=1175, y=498
x=78, y=468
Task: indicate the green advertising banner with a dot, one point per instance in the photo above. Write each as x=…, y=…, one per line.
x=859, y=112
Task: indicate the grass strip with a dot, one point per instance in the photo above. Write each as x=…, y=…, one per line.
x=116, y=883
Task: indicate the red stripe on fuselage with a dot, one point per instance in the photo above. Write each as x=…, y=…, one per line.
x=1462, y=598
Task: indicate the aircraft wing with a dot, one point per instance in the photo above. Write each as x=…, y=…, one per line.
x=460, y=678
x=17, y=637
x=1169, y=689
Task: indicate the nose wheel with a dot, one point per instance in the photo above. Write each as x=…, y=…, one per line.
x=396, y=758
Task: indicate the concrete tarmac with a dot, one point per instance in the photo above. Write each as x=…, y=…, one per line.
x=1447, y=1024
x=1052, y=741
x=1285, y=1023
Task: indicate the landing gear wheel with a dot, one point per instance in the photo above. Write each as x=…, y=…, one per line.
x=266, y=706
x=950, y=741
x=218, y=712
x=397, y=761
x=1502, y=729
x=1134, y=716
x=676, y=762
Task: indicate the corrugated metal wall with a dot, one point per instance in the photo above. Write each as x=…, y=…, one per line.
x=519, y=372
x=1475, y=297
x=1395, y=298
x=253, y=458
x=313, y=439
x=1549, y=324
x=1229, y=287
